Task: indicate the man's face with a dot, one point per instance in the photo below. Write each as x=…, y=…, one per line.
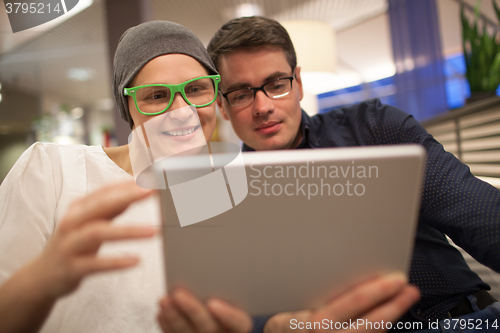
x=266, y=123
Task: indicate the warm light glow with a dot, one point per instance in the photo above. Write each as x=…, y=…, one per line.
x=314, y=43
x=80, y=74
x=77, y=113
x=321, y=82
x=242, y=10
x=248, y=9
x=379, y=72
x=65, y=140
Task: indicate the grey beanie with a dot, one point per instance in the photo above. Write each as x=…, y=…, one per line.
x=140, y=44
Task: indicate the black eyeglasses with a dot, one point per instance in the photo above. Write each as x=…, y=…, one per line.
x=244, y=96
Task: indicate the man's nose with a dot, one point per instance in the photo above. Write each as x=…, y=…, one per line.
x=262, y=105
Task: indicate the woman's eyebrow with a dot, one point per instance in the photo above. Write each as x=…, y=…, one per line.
x=154, y=81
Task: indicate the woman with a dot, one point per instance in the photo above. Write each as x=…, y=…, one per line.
x=56, y=207
x=36, y=196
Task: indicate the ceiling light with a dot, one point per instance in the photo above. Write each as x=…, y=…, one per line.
x=80, y=74
x=321, y=82
x=379, y=72
x=314, y=43
x=77, y=113
x=242, y=10
x=248, y=9
x=105, y=104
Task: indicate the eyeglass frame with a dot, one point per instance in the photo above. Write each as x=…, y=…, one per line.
x=255, y=89
x=174, y=89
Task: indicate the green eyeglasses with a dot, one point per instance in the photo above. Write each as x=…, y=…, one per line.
x=153, y=99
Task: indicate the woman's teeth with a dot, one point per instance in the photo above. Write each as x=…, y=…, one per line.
x=183, y=132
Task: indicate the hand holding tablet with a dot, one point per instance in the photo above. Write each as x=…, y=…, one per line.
x=312, y=221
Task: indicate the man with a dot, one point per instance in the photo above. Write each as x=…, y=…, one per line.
x=261, y=89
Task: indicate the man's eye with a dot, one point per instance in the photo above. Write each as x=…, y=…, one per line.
x=241, y=95
x=276, y=86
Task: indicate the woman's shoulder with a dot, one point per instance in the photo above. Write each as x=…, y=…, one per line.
x=57, y=148
x=44, y=158
x=58, y=152
x=68, y=164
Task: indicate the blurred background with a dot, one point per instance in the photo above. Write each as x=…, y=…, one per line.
x=55, y=78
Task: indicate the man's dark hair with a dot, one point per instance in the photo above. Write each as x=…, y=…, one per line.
x=248, y=32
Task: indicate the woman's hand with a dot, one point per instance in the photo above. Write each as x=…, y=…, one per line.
x=28, y=296
x=385, y=298
x=72, y=252
x=181, y=312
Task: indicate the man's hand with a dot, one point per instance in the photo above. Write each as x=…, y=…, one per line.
x=181, y=312
x=385, y=298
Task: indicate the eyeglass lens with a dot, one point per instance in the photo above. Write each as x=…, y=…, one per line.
x=156, y=98
x=274, y=89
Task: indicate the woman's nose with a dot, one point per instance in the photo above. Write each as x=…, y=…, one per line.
x=180, y=110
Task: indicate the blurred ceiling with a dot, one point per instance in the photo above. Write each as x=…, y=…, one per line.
x=40, y=63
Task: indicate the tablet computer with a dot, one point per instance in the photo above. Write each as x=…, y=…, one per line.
x=280, y=231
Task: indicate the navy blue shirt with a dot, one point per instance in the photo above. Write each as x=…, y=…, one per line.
x=454, y=203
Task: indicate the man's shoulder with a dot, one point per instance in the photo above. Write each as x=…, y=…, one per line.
x=369, y=106
x=364, y=113
x=366, y=123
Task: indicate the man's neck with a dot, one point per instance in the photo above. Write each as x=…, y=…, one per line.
x=298, y=138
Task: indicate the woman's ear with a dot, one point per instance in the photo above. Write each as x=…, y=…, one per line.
x=220, y=104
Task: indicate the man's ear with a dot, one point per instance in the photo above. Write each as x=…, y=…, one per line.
x=220, y=104
x=298, y=80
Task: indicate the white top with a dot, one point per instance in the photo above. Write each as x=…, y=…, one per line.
x=34, y=197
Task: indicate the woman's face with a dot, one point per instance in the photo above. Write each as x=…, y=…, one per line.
x=171, y=126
